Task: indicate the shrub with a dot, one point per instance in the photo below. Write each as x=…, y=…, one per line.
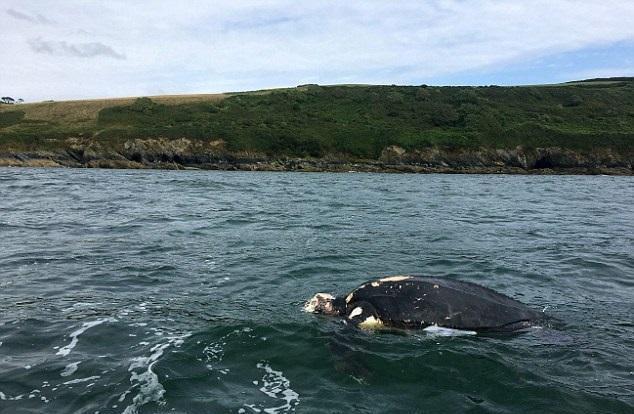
x=10, y=118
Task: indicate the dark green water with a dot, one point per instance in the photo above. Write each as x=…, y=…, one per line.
x=180, y=292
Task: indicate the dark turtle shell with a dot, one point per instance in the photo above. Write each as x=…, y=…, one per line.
x=418, y=302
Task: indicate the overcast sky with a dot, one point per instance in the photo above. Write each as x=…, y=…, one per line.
x=67, y=49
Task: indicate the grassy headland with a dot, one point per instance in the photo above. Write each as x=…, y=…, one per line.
x=584, y=126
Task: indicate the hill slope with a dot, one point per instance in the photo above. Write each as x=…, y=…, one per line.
x=585, y=126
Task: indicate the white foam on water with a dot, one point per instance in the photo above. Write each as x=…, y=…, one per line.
x=65, y=350
x=122, y=396
x=214, y=352
x=440, y=331
x=70, y=369
x=132, y=309
x=277, y=386
x=80, y=305
x=150, y=389
x=144, y=377
x=80, y=380
x=4, y=397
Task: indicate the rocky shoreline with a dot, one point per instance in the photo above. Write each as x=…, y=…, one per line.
x=212, y=155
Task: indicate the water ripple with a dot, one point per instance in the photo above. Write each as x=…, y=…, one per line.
x=160, y=291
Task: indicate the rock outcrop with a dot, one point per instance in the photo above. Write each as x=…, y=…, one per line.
x=197, y=154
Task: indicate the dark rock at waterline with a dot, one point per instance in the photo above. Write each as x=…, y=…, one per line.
x=212, y=155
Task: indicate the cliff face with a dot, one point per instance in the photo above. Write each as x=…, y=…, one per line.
x=185, y=153
x=518, y=157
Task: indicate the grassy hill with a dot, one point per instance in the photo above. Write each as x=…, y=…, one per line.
x=345, y=122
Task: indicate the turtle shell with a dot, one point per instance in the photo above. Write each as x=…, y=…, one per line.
x=419, y=302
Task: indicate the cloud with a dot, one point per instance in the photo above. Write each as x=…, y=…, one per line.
x=83, y=50
x=197, y=46
x=33, y=18
x=258, y=22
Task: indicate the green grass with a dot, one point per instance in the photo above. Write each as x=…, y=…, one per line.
x=357, y=121
x=8, y=118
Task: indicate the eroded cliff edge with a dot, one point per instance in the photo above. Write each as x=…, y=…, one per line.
x=185, y=153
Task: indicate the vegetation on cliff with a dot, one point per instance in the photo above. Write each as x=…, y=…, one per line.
x=355, y=122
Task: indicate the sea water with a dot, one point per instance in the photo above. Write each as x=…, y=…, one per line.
x=181, y=291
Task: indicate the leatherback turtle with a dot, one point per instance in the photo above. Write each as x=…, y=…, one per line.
x=411, y=302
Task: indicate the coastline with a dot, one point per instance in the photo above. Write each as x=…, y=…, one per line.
x=577, y=128
x=56, y=160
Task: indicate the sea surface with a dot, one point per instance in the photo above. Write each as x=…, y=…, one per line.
x=181, y=291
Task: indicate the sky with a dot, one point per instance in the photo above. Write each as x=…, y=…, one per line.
x=75, y=49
